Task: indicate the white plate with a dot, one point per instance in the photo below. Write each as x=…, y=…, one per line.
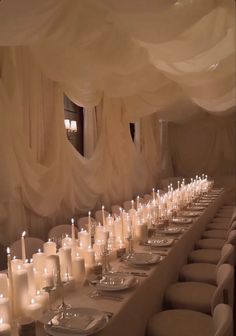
x=197, y=208
x=190, y=213
x=158, y=242
x=143, y=259
x=170, y=230
x=114, y=282
x=182, y=220
x=79, y=322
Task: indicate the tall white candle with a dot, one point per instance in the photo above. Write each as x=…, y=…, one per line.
x=73, y=230
x=132, y=204
x=137, y=202
x=89, y=225
x=29, y=267
x=65, y=260
x=20, y=284
x=103, y=216
x=153, y=194
x=23, y=252
x=78, y=268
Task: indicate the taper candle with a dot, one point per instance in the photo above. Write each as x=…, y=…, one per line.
x=23, y=252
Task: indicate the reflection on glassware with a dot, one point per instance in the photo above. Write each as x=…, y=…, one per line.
x=60, y=284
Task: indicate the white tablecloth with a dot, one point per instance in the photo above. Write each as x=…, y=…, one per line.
x=131, y=315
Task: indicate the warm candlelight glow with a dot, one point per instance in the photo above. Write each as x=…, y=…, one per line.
x=23, y=234
x=8, y=250
x=72, y=220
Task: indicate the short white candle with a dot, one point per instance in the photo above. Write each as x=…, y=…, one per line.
x=49, y=247
x=39, y=259
x=15, y=263
x=5, y=309
x=5, y=328
x=34, y=310
x=84, y=238
x=43, y=299
x=23, y=252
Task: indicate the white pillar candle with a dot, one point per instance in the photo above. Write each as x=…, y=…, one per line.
x=137, y=202
x=78, y=269
x=84, y=238
x=47, y=279
x=34, y=310
x=65, y=260
x=89, y=257
x=23, y=252
x=43, y=299
x=98, y=248
x=67, y=241
x=5, y=312
x=39, y=259
x=53, y=264
x=20, y=284
x=29, y=267
x=15, y=263
x=4, y=285
x=49, y=247
x=141, y=232
x=98, y=229
x=5, y=328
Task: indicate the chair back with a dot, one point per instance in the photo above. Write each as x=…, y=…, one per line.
x=223, y=320
x=98, y=216
x=60, y=231
x=232, y=237
x=127, y=205
x=116, y=210
x=32, y=245
x=83, y=223
x=224, y=292
x=227, y=255
x=233, y=226
x=147, y=197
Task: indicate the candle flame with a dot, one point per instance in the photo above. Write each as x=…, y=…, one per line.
x=14, y=257
x=1, y=320
x=26, y=261
x=72, y=220
x=1, y=296
x=32, y=301
x=23, y=234
x=38, y=292
x=19, y=267
x=89, y=213
x=8, y=250
x=103, y=207
x=39, y=250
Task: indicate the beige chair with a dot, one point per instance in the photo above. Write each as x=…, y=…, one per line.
x=32, y=245
x=183, y=322
x=212, y=243
x=127, y=205
x=147, y=197
x=98, y=216
x=200, y=296
x=60, y=231
x=218, y=234
x=204, y=272
x=83, y=223
x=115, y=209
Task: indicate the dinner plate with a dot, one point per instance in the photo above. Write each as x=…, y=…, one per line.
x=181, y=220
x=139, y=258
x=170, y=230
x=77, y=321
x=158, y=242
x=197, y=208
x=114, y=282
x=190, y=213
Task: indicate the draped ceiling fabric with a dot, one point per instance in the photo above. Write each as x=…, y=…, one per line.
x=135, y=58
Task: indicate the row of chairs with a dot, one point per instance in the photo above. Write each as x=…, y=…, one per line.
x=201, y=303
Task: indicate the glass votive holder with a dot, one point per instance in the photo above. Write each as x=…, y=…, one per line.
x=26, y=326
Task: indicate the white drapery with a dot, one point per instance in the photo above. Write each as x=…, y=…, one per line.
x=133, y=58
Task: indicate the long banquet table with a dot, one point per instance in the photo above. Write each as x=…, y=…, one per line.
x=146, y=298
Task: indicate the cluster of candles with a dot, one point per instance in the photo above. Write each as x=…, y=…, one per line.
x=22, y=290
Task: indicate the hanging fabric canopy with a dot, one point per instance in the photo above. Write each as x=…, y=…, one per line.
x=133, y=58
